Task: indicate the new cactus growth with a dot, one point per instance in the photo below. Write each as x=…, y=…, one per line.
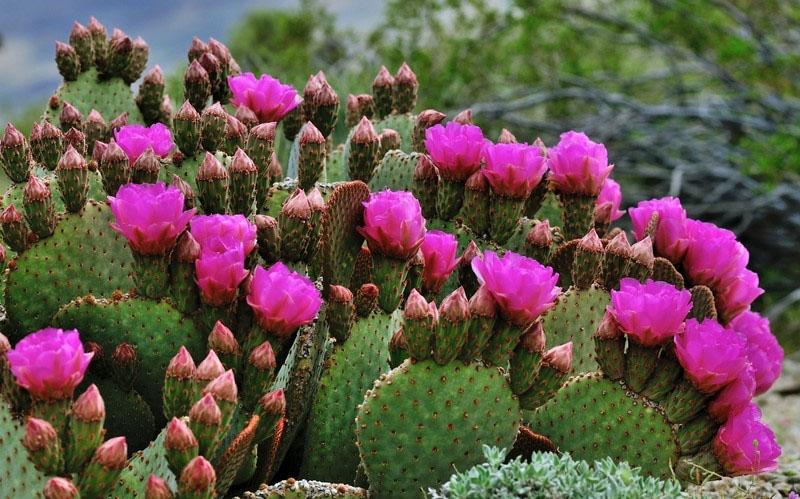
x=398, y=300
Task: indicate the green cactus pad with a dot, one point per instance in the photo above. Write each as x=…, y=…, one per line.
x=402, y=124
x=83, y=256
x=395, y=172
x=18, y=477
x=575, y=318
x=422, y=422
x=156, y=329
x=335, y=165
x=330, y=452
x=550, y=210
x=110, y=98
x=592, y=417
x=151, y=461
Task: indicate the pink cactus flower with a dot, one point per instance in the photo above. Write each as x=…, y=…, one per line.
x=150, y=216
x=513, y=170
x=763, y=350
x=204, y=228
x=744, y=445
x=711, y=355
x=455, y=149
x=736, y=294
x=282, y=300
x=439, y=251
x=219, y=271
x=522, y=287
x=266, y=96
x=578, y=165
x=713, y=255
x=735, y=396
x=135, y=139
x=671, y=236
x=649, y=313
x=49, y=363
x=608, y=202
x=393, y=224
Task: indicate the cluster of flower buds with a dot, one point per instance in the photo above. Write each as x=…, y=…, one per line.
x=210, y=66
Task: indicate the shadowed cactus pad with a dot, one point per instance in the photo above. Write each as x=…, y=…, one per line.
x=592, y=417
x=420, y=424
x=394, y=172
x=19, y=476
x=330, y=452
x=83, y=256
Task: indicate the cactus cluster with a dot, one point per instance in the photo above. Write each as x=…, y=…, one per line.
x=310, y=292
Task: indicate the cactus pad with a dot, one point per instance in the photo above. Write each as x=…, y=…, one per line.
x=18, y=477
x=155, y=328
x=575, y=317
x=395, y=172
x=129, y=415
x=150, y=461
x=592, y=417
x=330, y=452
x=83, y=256
x=340, y=241
x=422, y=422
x=110, y=98
x=403, y=124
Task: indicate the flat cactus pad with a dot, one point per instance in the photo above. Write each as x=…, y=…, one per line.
x=592, y=417
x=110, y=98
x=422, y=422
x=18, y=477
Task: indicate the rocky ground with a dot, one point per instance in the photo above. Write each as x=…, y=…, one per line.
x=781, y=408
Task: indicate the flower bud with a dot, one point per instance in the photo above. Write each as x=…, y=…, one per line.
x=197, y=479
x=60, y=488
x=157, y=488
x=382, y=92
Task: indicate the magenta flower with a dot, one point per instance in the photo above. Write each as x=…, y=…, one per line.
x=763, y=350
x=513, y=170
x=713, y=255
x=711, y=355
x=205, y=228
x=736, y=294
x=393, y=224
x=439, y=251
x=267, y=97
x=455, y=149
x=282, y=300
x=650, y=313
x=578, y=165
x=522, y=287
x=219, y=271
x=135, y=139
x=671, y=237
x=49, y=363
x=735, y=396
x=150, y=216
x=744, y=445
x=608, y=202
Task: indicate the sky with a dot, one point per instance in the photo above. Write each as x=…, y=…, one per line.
x=29, y=30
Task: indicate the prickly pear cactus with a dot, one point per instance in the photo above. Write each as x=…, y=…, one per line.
x=20, y=476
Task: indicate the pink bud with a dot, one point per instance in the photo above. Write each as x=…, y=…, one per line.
x=540, y=235
x=620, y=246
x=210, y=368
x=198, y=475
x=262, y=357
x=463, y=118
x=71, y=160
x=206, y=411
x=671, y=237
x=416, y=307
x=11, y=215
x=591, y=242
x=113, y=453
x=559, y=357
x=242, y=163
x=187, y=112
x=477, y=182
x=534, y=339
x=157, y=488
x=12, y=137
x=297, y=206
x=340, y=294
x=273, y=402
x=383, y=79
x=36, y=190
x=506, y=137
x=179, y=436
x=608, y=328
x=470, y=252
x=211, y=169
x=429, y=117
x=182, y=365
x=315, y=200
x=89, y=406
x=454, y=307
x=642, y=252
x=425, y=169
x=264, y=132
x=310, y=134
x=60, y=488
x=405, y=75
x=187, y=249
x=221, y=339
x=439, y=251
x=482, y=304
x=608, y=202
x=39, y=434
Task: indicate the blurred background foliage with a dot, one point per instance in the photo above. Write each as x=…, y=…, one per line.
x=693, y=98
